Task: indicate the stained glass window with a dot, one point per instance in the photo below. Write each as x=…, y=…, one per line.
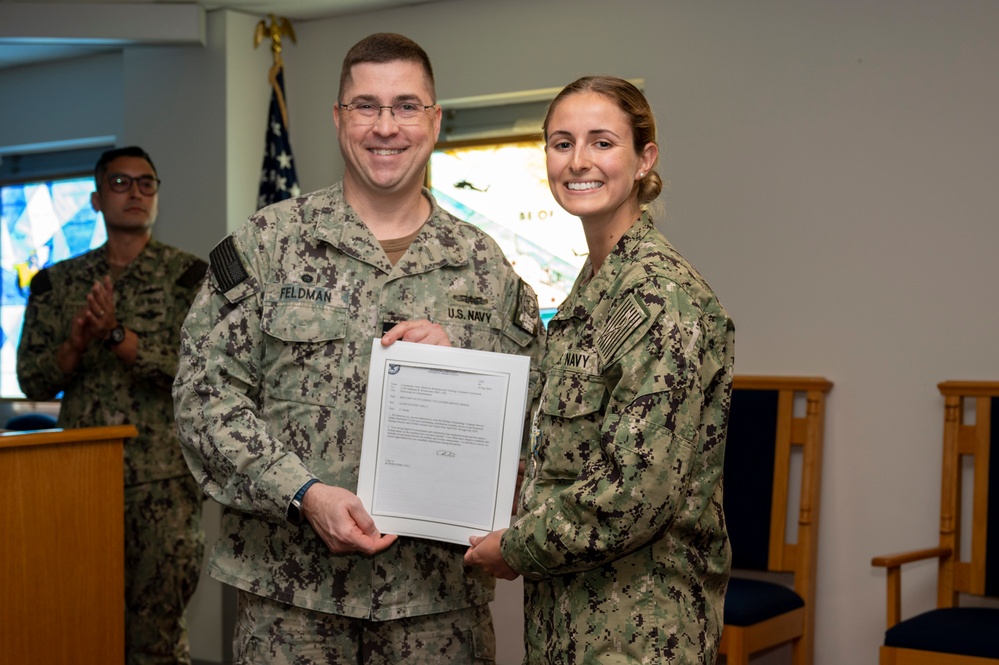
x=41, y=222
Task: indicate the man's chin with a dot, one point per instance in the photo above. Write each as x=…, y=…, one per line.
x=135, y=229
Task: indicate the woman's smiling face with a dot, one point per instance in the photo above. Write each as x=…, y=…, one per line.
x=592, y=164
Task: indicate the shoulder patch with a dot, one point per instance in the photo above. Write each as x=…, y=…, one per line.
x=41, y=283
x=193, y=275
x=525, y=314
x=622, y=322
x=227, y=265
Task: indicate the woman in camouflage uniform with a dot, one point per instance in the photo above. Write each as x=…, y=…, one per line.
x=620, y=534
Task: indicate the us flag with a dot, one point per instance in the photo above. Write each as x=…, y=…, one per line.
x=278, y=180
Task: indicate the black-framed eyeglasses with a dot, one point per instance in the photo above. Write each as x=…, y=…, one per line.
x=121, y=183
x=367, y=113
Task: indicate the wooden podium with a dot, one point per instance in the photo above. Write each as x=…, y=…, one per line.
x=62, y=546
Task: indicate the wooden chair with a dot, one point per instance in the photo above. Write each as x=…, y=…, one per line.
x=952, y=634
x=763, y=431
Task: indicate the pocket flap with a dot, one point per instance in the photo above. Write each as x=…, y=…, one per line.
x=304, y=322
x=572, y=394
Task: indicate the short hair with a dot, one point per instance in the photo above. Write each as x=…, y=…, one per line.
x=383, y=47
x=110, y=155
x=634, y=104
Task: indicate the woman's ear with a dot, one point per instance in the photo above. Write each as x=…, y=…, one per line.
x=650, y=153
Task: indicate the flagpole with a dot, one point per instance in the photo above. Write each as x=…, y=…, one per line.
x=278, y=27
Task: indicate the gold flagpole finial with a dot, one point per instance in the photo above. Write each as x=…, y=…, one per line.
x=279, y=26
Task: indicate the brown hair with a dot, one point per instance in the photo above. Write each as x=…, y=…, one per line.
x=384, y=47
x=634, y=104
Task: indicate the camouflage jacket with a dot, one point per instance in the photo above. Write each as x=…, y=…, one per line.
x=620, y=534
x=151, y=297
x=272, y=382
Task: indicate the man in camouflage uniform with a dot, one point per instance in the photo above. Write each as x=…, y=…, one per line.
x=104, y=329
x=270, y=396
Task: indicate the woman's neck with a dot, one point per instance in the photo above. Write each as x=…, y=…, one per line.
x=603, y=232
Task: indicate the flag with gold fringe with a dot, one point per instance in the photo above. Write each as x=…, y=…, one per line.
x=278, y=180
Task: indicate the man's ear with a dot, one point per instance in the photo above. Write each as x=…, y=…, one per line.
x=438, y=115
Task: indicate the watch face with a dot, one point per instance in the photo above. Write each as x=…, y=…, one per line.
x=118, y=335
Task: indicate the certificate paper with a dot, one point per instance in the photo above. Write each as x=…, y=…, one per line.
x=442, y=439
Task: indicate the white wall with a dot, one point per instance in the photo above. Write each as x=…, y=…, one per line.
x=830, y=169
x=59, y=102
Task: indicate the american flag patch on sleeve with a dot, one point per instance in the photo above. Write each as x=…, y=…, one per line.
x=227, y=265
x=622, y=322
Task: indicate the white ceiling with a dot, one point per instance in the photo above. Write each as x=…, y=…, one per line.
x=21, y=49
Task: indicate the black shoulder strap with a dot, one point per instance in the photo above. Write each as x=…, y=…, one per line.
x=193, y=275
x=41, y=283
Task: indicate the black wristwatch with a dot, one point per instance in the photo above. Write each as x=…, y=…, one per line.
x=295, y=507
x=116, y=337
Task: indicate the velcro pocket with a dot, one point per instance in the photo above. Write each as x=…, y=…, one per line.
x=572, y=394
x=305, y=359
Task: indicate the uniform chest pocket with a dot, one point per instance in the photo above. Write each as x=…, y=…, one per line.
x=571, y=409
x=470, y=325
x=304, y=358
x=572, y=394
x=149, y=311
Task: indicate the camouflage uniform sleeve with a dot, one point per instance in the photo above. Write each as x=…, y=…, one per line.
x=157, y=357
x=43, y=332
x=223, y=431
x=524, y=334
x=629, y=490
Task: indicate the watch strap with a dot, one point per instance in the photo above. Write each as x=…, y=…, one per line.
x=116, y=337
x=295, y=507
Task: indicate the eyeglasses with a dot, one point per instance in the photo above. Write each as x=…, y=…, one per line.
x=405, y=113
x=121, y=183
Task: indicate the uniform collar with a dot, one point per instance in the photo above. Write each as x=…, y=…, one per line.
x=584, y=296
x=141, y=267
x=435, y=245
x=628, y=244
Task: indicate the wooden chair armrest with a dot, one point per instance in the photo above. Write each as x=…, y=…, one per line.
x=900, y=558
x=893, y=562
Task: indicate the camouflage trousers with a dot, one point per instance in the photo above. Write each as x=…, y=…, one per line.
x=164, y=545
x=272, y=633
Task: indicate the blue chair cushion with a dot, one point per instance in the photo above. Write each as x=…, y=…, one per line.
x=31, y=421
x=966, y=631
x=751, y=601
